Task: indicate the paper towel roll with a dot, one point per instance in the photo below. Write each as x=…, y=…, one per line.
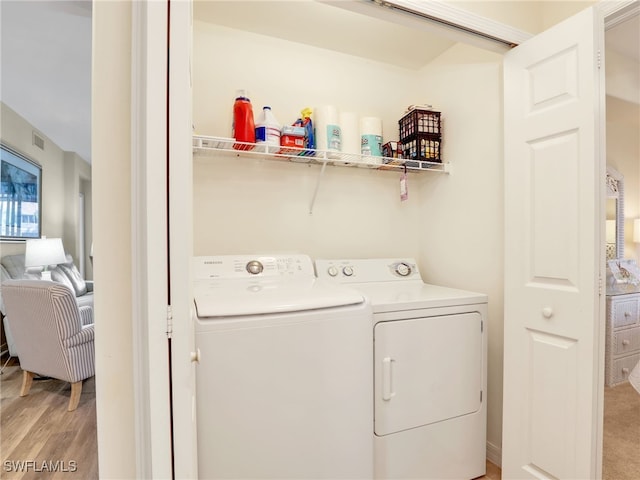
x=371, y=126
x=327, y=125
x=371, y=139
x=350, y=130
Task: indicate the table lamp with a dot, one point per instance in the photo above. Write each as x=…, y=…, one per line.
x=43, y=252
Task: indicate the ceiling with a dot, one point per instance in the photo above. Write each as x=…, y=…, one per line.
x=46, y=52
x=46, y=68
x=332, y=28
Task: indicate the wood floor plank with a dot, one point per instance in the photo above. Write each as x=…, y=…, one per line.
x=38, y=436
x=38, y=427
x=16, y=427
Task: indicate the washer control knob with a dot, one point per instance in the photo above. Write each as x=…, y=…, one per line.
x=332, y=271
x=254, y=267
x=347, y=271
x=403, y=269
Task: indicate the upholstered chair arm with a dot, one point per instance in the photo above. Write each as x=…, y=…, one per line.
x=86, y=315
x=85, y=335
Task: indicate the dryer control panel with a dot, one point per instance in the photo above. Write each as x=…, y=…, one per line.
x=369, y=270
x=252, y=266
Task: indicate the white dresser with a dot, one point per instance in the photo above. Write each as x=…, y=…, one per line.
x=622, y=351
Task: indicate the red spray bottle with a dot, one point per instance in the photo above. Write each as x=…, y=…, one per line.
x=243, y=124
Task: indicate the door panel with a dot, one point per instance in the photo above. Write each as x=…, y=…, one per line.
x=553, y=175
x=552, y=410
x=551, y=256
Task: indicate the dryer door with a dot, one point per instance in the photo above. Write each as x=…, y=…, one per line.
x=427, y=370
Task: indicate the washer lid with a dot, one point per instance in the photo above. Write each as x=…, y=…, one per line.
x=415, y=295
x=224, y=298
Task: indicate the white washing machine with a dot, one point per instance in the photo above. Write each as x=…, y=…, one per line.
x=430, y=363
x=284, y=374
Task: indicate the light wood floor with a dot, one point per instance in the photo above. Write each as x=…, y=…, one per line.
x=621, y=442
x=39, y=438
x=39, y=429
x=493, y=472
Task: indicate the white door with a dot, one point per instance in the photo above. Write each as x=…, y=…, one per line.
x=182, y=343
x=554, y=177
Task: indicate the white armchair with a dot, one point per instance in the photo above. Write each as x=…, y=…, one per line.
x=12, y=267
x=55, y=337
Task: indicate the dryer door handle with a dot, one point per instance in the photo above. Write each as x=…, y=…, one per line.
x=387, y=382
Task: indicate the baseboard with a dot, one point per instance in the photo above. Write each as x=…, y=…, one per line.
x=494, y=454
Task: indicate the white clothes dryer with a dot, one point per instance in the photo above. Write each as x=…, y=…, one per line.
x=430, y=364
x=284, y=374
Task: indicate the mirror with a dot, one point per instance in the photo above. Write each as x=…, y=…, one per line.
x=615, y=214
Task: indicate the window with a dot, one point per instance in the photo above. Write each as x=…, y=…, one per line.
x=20, y=196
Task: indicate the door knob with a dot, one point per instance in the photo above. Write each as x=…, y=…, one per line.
x=195, y=356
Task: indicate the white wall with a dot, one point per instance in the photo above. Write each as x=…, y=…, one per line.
x=461, y=215
x=522, y=14
x=623, y=154
x=61, y=173
x=555, y=11
x=248, y=205
x=77, y=174
x=533, y=16
x=112, y=206
x=623, y=142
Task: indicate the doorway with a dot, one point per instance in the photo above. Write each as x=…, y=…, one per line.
x=621, y=437
x=46, y=114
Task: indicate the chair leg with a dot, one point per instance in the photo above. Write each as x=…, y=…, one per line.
x=27, y=380
x=5, y=365
x=76, y=390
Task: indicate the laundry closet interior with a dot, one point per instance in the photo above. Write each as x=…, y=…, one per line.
x=292, y=55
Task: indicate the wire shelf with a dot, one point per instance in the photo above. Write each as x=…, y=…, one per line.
x=209, y=146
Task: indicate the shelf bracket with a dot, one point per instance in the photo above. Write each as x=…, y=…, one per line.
x=315, y=190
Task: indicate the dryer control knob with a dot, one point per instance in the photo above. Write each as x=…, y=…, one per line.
x=254, y=267
x=332, y=271
x=403, y=269
x=347, y=271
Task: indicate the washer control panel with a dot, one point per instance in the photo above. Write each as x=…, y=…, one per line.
x=368, y=270
x=252, y=266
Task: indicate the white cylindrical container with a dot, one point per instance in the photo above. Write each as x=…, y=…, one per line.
x=371, y=140
x=350, y=130
x=328, y=132
x=268, y=129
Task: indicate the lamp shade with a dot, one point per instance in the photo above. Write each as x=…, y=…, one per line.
x=44, y=252
x=636, y=230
